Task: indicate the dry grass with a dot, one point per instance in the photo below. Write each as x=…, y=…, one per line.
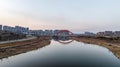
x=22, y=49
x=17, y=43
x=114, y=47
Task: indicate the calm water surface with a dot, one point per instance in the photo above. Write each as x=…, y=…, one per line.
x=75, y=54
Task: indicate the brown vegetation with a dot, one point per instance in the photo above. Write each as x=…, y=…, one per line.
x=112, y=45
x=22, y=47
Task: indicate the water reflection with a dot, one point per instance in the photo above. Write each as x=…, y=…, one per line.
x=23, y=49
x=55, y=54
x=56, y=38
x=63, y=39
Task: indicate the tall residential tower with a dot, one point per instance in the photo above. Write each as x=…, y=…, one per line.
x=0, y=27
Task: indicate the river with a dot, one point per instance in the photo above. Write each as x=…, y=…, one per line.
x=56, y=54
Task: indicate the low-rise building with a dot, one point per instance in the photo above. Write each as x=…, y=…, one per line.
x=100, y=34
x=36, y=32
x=108, y=33
x=117, y=34
x=55, y=32
x=23, y=30
x=89, y=34
x=6, y=28
x=105, y=34
x=16, y=29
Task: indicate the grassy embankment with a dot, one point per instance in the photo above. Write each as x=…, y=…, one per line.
x=22, y=47
x=16, y=43
x=113, y=44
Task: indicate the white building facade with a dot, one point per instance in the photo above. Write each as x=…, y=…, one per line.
x=16, y=29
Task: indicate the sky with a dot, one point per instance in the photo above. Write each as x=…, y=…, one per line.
x=74, y=15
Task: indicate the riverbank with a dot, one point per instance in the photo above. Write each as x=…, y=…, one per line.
x=17, y=42
x=22, y=47
x=111, y=45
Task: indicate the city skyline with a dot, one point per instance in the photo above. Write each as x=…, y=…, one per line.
x=74, y=15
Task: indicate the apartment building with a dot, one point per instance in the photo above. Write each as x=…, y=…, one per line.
x=0, y=27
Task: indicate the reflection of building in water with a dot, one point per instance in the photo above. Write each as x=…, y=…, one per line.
x=63, y=39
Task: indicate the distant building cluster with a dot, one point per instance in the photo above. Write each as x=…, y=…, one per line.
x=109, y=34
x=43, y=33
x=86, y=34
x=16, y=29
x=27, y=31
x=102, y=34
x=47, y=33
x=89, y=34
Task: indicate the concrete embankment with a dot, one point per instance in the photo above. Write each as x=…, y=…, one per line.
x=22, y=47
x=112, y=46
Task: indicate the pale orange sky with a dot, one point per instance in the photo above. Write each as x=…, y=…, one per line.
x=75, y=15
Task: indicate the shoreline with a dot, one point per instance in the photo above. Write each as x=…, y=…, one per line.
x=19, y=40
x=5, y=44
x=112, y=46
x=23, y=47
x=13, y=48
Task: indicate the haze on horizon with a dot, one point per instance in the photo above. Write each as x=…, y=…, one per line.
x=75, y=15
